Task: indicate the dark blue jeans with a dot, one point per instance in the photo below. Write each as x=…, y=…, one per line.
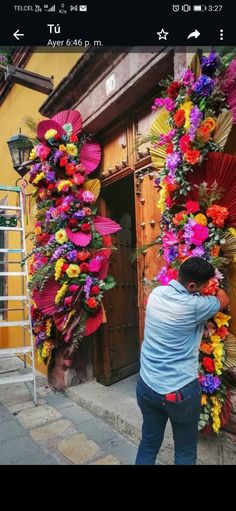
x=183, y=415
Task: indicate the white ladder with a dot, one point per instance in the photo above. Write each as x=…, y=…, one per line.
x=26, y=323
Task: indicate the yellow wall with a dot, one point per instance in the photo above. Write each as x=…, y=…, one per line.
x=19, y=103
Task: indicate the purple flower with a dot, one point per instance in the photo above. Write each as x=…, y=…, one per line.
x=78, y=214
x=87, y=286
x=170, y=253
x=72, y=256
x=198, y=251
x=172, y=161
x=50, y=177
x=210, y=383
x=209, y=64
x=58, y=253
x=195, y=120
x=204, y=86
x=57, y=156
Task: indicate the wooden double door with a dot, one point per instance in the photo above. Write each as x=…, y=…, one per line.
x=117, y=345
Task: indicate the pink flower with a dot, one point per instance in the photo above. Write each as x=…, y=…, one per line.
x=73, y=288
x=192, y=206
x=42, y=151
x=68, y=300
x=169, y=239
x=88, y=196
x=78, y=179
x=200, y=234
x=95, y=264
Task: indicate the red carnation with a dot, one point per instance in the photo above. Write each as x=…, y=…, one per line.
x=85, y=227
x=72, y=222
x=51, y=186
x=184, y=143
x=169, y=148
x=63, y=161
x=179, y=118
x=95, y=290
x=173, y=89
x=64, y=267
x=83, y=255
x=84, y=267
x=74, y=138
x=91, y=303
x=208, y=364
x=70, y=169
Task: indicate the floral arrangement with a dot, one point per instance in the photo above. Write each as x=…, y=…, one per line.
x=188, y=136
x=70, y=258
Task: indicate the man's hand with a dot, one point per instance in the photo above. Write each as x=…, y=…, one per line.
x=223, y=298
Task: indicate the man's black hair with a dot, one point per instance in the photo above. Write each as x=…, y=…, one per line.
x=195, y=269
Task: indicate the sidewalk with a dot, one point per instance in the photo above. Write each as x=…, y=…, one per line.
x=57, y=431
x=88, y=425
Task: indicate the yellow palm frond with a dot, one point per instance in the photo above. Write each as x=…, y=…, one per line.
x=229, y=247
x=223, y=128
x=94, y=186
x=230, y=351
x=159, y=125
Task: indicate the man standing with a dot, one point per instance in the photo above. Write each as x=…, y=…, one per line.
x=168, y=385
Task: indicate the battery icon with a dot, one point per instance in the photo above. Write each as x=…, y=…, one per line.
x=199, y=8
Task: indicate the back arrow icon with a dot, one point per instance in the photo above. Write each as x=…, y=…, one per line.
x=17, y=35
x=194, y=34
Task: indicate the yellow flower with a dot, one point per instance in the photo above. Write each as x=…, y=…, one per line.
x=47, y=348
x=62, y=147
x=215, y=413
x=50, y=134
x=64, y=182
x=73, y=270
x=204, y=400
x=33, y=154
x=48, y=327
x=71, y=149
x=215, y=338
x=201, y=219
x=58, y=267
x=61, y=236
x=232, y=231
x=162, y=198
x=60, y=293
x=221, y=319
x=38, y=178
x=187, y=107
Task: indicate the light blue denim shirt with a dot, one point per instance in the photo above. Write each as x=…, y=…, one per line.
x=174, y=326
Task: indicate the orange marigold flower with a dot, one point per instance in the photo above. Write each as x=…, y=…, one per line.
x=179, y=217
x=205, y=347
x=218, y=214
x=192, y=156
x=209, y=123
x=214, y=251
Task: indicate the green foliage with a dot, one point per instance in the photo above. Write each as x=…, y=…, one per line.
x=109, y=283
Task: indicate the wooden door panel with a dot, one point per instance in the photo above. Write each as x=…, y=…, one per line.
x=118, y=347
x=148, y=228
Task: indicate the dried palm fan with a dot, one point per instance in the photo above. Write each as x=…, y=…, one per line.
x=230, y=351
x=94, y=186
x=195, y=66
x=219, y=168
x=223, y=128
x=159, y=126
x=229, y=247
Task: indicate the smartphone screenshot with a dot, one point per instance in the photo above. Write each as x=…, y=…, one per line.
x=118, y=232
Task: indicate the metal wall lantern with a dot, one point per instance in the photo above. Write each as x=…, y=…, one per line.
x=20, y=147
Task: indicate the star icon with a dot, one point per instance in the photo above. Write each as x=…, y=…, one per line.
x=162, y=34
